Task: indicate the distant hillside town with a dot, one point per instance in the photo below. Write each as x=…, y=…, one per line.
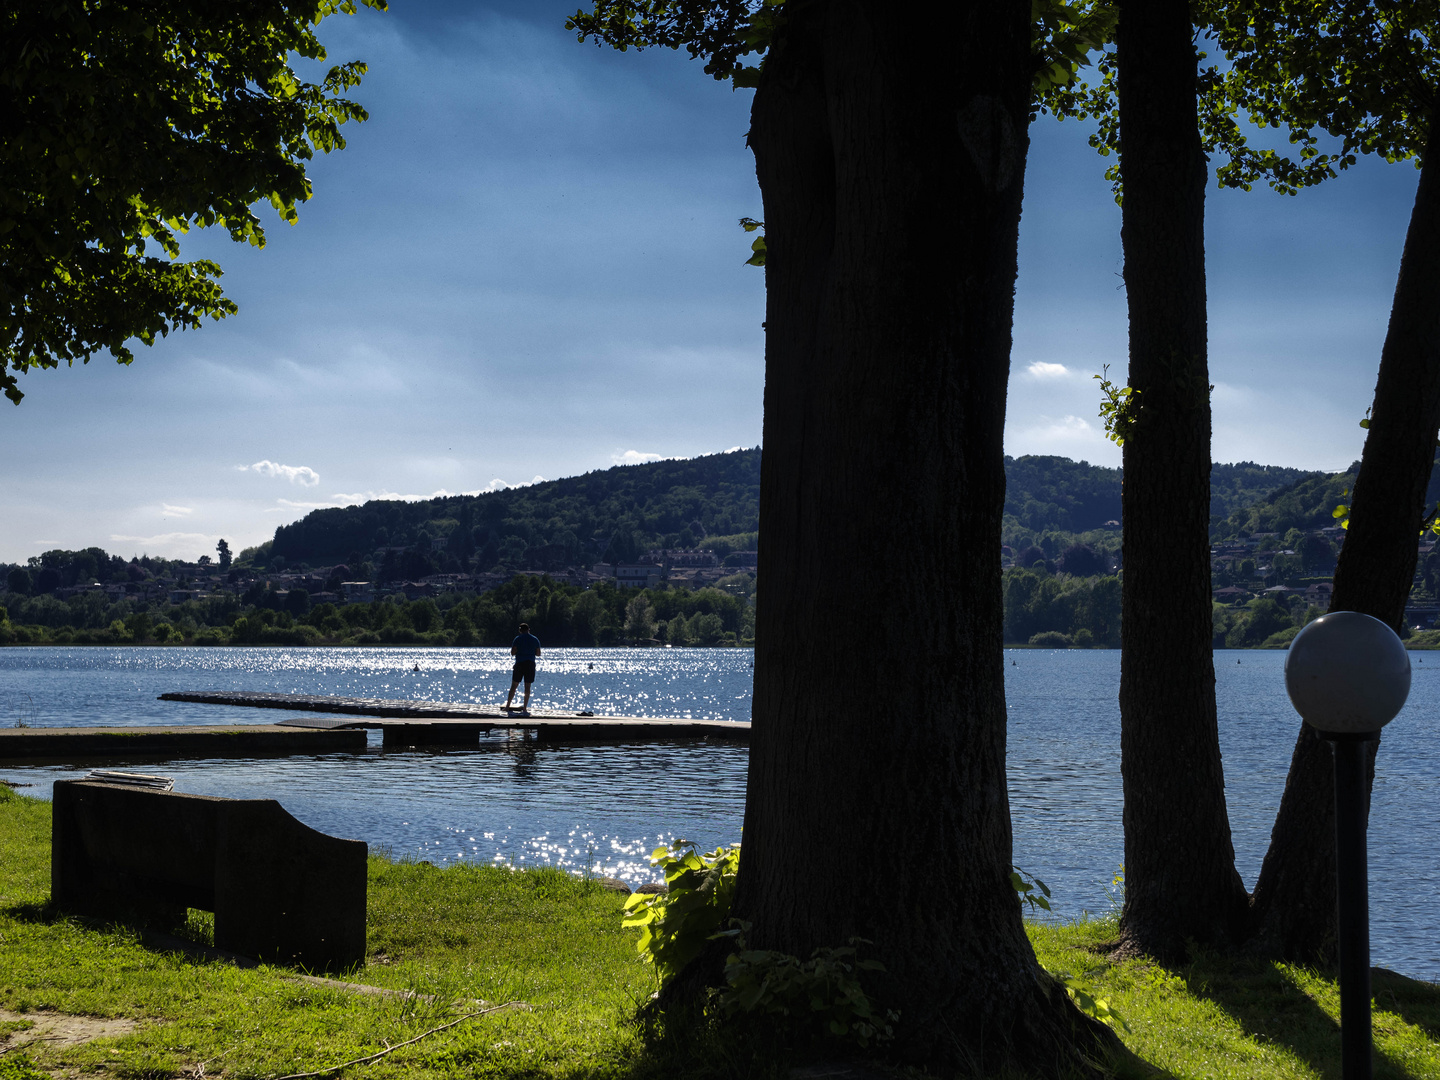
x=667, y=553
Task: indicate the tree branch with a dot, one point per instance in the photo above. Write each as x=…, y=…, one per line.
x=391, y=1049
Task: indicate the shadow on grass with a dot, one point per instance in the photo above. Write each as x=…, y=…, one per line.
x=1415, y=1002
x=33, y=913
x=159, y=930
x=1266, y=1001
x=682, y=1043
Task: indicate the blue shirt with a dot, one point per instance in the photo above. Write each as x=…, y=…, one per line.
x=526, y=647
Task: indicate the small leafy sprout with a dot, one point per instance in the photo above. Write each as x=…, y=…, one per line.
x=1096, y=1008
x=1119, y=408
x=1025, y=885
x=1429, y=522
x=676, y=924
x=1342, y=512
x=695, y=909
x=825, y=988
x=757, y=248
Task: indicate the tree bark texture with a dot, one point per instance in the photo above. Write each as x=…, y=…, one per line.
x=1294, y=908
x=1180, y=878
x=892, y=165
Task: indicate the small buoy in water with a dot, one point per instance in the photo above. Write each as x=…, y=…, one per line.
x=591, y=666
x=417, y=667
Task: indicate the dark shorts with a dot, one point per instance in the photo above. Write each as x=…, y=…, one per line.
x=524, y=669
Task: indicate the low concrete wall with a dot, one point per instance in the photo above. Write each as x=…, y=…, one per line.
x=280, y=891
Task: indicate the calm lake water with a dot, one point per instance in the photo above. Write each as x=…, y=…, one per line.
x=605, y=807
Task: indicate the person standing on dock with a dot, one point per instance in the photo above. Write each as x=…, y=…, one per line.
x=525, y=648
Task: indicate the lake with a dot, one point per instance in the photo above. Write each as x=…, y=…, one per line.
x=605, y=807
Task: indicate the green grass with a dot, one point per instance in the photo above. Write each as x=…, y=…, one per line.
x=461, y=934
x=458, y=935
x=1219, y=1018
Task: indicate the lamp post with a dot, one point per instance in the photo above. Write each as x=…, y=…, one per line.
x=1347, y=675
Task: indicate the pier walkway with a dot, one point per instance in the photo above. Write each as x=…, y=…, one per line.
x=402, y=723
x=410, y=722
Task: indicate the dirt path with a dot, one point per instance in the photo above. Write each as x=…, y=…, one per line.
x=56, y=1029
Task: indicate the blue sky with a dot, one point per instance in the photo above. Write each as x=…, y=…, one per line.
x=527, y=264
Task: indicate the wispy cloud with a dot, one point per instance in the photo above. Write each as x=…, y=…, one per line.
x=634, y=457
x=1070, y=436
x=282, y=505
x=296, y=474
x=355, y=498
x=171, y=544
x=500, y=485
x=1041, y=369
x=178, y=511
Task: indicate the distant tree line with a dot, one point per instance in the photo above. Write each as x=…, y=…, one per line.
x=1042, y=608
x=59, y=569
x=1260, y=623
x=1060, y=610
x=559, y=613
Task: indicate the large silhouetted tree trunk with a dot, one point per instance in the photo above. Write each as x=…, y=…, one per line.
x=891, y=164
x=1295, y=895
x=1180, y=878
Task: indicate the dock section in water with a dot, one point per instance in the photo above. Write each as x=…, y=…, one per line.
x=34, y=744
x=412, y=723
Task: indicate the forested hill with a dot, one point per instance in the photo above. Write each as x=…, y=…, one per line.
x=1056, y=494
x=611, y=514
x=617, y=514
x=1307, y=504
x=1060, y=495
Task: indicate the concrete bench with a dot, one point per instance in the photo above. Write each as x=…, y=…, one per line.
x=280, y=891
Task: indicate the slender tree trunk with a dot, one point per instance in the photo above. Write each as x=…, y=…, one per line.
x=1180, y=878
x=892, y=165
x=1295, y=895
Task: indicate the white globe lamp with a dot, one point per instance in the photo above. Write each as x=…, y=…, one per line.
x=1347, y=673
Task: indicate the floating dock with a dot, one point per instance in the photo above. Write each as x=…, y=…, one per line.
x=31, y=744
x=402, y=723
x=413, y=723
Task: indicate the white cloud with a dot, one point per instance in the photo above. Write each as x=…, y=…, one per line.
x=500, y=485
x=633, y=457
x=178, y=511
x=1043, y=370
x=1067, y=436
x=355, y=498
x=170, y=545
x=291, y=504
x=296, y=474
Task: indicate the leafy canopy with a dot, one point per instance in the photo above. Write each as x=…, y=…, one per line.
x=724, y=32
x=1364, y=72
x=123, y=123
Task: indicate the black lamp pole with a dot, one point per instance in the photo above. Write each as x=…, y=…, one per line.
x=1352, y=889
x=1348, y=675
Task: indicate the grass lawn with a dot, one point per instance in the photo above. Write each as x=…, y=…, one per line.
x=464, y=935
